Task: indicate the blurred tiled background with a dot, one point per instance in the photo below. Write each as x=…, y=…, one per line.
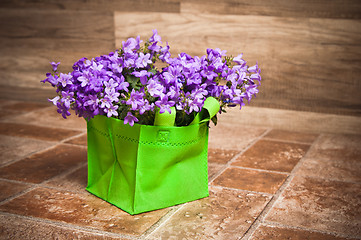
x=286, y=167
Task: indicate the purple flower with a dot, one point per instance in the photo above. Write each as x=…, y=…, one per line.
x=55, y=65
x=171, y=75
x=146, y=107
x=67, y=98
x=105, y=102
x=136, y=100
x=92, y=100
x=63, y=110
x=164, y=53
x=129, y=45
x=208, y=73
x=130, y=119
x=54, y=100
x=154, y=47
x=143, y=76
x=53, y=80
x=109, y=85
x=155, y=89
x=155, y=37
x=111, y=111
x=164, y=104
x=128, y=83
x=84, y=80
x=64, y=79
x=239, y=59
x=112, y=95
x=143, y=60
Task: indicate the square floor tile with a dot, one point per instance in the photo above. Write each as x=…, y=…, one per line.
x=335, y=157
x=45, y=165
x=272, y=155
x=225, y=214
x=15, y=227
x=251, y=180
x=75, y=181
x=232, y=137
x=36, y=132
x=80, y=209
x=13, y=148
x=277, y=233
x=330, y=206
x=221, y=156
x=8, y=189
x=291, y=136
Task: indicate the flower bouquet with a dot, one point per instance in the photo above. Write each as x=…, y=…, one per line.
x=147, y=118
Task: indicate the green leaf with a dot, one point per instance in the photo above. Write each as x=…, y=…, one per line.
x=133, y=81
x=214, y=120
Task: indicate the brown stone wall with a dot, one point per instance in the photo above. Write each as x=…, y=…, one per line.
x=309, y=51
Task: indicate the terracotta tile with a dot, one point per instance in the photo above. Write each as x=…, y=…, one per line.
x=8, y=189
x=13, y=148
x=50, y=118
x=81, y=209
x=14, y=227
x=221, y=156
x=338, y=141
x=335, y=157
x=37, y=132
x=276, y=233
x=213, y=169
x=272, y=155
x=291, y=136
x=81, y=140
x=251, y=180
x=232, y=137
x=45, y=165
x=330, y=206
x=342, y=169
x=225, y=214
x=75, y=181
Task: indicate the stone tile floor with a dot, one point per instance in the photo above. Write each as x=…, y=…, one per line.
x=264, y=184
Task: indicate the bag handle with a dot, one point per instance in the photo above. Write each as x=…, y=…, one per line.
x=166, y=118
x=209, y=110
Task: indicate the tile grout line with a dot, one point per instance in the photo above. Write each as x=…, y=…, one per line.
x=242, y=190
x=19, y=194
x=222, y=170
x=262, y=216
x=280, y=225
x=162, y=221
x=53, y=144
x=261, y=170
x=70, y=226
x=285, y=141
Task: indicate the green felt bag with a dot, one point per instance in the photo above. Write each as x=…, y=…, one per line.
x=141, y=168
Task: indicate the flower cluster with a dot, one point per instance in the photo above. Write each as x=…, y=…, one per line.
x=127, y=84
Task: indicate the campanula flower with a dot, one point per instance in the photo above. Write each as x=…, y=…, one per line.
x=127, y=84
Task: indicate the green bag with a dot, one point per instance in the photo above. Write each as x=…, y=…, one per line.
x=141, y=168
